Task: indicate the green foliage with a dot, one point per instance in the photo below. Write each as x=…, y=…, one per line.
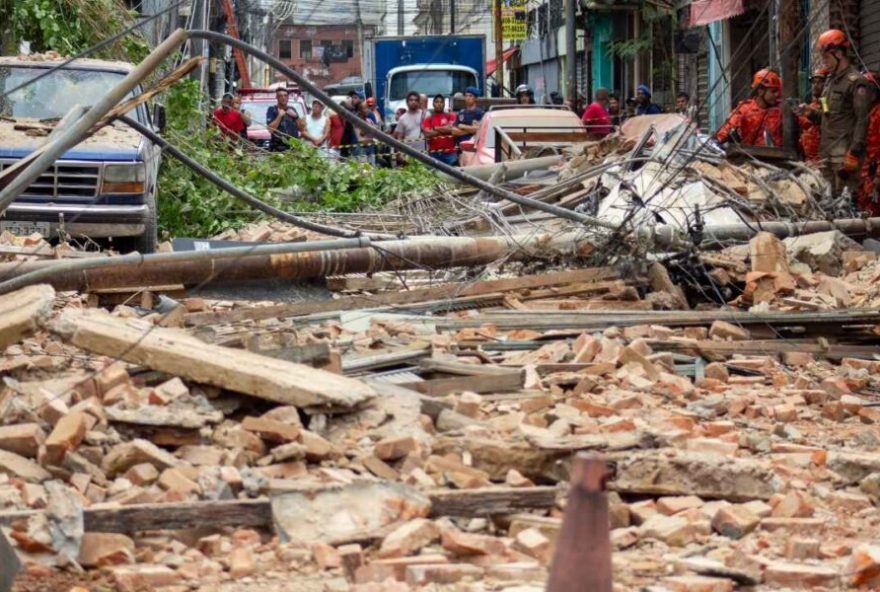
x=190, y=205
x=70, y=26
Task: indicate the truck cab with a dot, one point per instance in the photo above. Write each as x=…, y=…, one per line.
x=426, y=79
x=103, y=188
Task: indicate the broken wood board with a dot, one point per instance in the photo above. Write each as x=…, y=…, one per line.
x=257, y=513
x=179, y=354
x=404, y=297
x=485, y=383
x=22, y=311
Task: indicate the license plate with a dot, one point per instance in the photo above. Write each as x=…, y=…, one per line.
x=26, y=228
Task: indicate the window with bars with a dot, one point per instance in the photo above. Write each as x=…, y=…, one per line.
x=348, y=46
x=284, y=49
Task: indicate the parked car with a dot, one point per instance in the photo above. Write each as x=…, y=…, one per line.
x=530, y=127
x=256, y=101
x=106, y=186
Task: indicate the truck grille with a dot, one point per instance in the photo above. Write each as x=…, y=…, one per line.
x=63, y=181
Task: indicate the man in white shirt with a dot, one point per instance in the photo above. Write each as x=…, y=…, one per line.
x=409, y=125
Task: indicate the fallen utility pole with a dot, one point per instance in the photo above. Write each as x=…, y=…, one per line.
x=670, y=236
x=17, y=178
x=298, y=261
x=23, y=274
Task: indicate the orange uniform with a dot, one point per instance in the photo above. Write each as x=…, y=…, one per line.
x=871, y=166
x=811, y=135
x=751, y=122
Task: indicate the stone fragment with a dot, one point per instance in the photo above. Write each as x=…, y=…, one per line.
x=674, y=505
x=464, y=544
x=326, y=556
x=18, y=466
x=351, y=557
x=795, y=504
x=799, y=548
x=675, y=531
x=241, y=563
x=271, y=430
x=124, y=456
x=23, y=439
x=768, y=254
x=142, y=474
x=175, y=480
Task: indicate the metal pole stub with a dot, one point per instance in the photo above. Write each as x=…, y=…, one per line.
x=582, y=562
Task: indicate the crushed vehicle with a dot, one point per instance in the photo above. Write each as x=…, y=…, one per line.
x=103, y=188
x=522, y=131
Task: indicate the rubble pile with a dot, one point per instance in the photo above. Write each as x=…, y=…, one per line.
x=360, y=444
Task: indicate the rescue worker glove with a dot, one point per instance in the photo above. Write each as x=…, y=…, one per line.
x=850, y=165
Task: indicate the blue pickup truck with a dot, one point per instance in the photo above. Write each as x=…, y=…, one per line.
x=105, y=187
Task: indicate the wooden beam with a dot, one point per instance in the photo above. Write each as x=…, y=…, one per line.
x=21, y=312
x=766, y=347
x=405, y=297
x=257, y=513
x=179, y=354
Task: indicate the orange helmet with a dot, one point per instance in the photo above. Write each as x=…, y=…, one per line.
x=371, y=102
x=768, y=79
x=831, y=39
x=820, y=73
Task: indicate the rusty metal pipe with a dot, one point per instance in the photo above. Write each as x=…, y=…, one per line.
x=301, y=261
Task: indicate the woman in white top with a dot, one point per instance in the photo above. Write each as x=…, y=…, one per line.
x=316, y=127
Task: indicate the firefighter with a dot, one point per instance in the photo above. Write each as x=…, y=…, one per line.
x=810, y=131
x=844, y=107
x=758, y=120
x=869, y=186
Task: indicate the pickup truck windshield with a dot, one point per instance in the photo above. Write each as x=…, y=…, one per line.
x=51, y=96
x=430, y=82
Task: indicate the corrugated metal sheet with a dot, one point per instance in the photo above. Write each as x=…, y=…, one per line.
x=870, y=27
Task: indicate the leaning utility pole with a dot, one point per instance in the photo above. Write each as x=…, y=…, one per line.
x=571, y=50
x=499, y=49
x=452, y=17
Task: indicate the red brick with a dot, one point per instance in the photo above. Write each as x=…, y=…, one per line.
x=326, y=556
x=241, y=563
x=864, y=566
x=23, y=439
x=463, y=544
x=409, y=538
x=726, y=331
x=136, y=578
x=66, y=436
x=795, y=504
x=674, y=505
x=420, y=575
x=351, y=557
x=100, y=549
x=270, y=430
x=801, y=548
x=395, y=448
x=380, y=570
x=735, y=521
x=698, y=584
x=800, y=576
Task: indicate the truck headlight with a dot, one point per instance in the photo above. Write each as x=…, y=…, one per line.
x=124, y=178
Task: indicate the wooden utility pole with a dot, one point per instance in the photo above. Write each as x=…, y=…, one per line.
x=499, y=49
x=788, y=19
x=452, y=17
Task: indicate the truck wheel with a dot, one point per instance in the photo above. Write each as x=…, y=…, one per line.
x=145, y=243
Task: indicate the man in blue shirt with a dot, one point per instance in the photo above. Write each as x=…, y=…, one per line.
x=283, y=122
x=644, y=106
x=468, y=119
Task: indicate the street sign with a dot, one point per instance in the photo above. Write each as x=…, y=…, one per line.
x=514, y=20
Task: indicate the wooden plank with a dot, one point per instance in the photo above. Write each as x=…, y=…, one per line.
x=312, y=353
x=179, y=354
x=405, y=297
x=767, y=346
x=257, y=513
x=22, y=311
x=487, y=383
x=395, y=358
x=609, y=305
x=462, y=369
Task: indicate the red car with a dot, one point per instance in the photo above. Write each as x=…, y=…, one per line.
x=256, y=101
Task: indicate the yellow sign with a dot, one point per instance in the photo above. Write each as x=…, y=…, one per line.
x=514, y=20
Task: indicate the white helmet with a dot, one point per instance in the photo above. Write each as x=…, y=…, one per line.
x=523, y=89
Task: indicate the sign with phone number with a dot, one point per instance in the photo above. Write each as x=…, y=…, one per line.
x=514, y=20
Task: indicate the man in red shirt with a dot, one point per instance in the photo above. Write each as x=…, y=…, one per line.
x=596, y=116
x=229, y=120
x=437, y=128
